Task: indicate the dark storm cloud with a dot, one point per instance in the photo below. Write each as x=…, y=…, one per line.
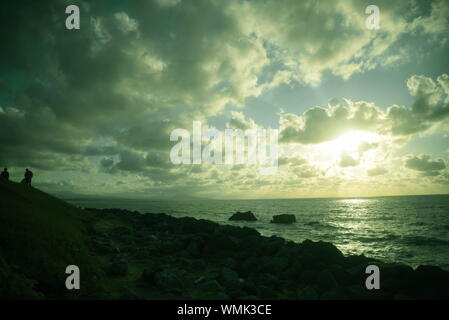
x=131, y=74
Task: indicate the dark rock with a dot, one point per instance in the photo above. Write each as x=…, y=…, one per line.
x=250, y=287
x=294, y=271
x=308, y=293
x=239, y=232
x=170, y=280
x=308, y=277
x=104, y=247
x=268, y=280
x=293, y=254
x=273, y=265
x=429, y=282
x=221, y=296
x=199, y=264
x=130, y=295
x=148, y=277
x=229, y=263
x=210, y=285
x=193, y=249
x=215, y=244
x=320, y=254
x=143, y=253
x=326, y=280
x=401, y=297
x=393, y=276
x=265, y=292
x=341, y=275
x=358, y=291
x=250, y=266
x=194, y=226
x=331, y=294
x=117, y=268
x=243, y=216
x=249, y=298
x=284, y=219
x=230, y=279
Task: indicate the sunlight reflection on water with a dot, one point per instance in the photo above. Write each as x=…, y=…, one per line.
x=354, y=201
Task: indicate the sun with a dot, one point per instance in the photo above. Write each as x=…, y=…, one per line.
x=352, y=143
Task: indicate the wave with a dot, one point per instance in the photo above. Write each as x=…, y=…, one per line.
x=424, y=241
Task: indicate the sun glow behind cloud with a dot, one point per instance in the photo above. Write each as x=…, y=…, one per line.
x=354, y=144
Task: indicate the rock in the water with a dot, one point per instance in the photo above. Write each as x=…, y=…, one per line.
x=243, y=216
x=284, y=218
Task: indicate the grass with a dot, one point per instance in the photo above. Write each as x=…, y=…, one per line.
x=40, y=236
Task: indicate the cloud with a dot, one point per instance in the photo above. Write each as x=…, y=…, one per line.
x=377, y=171
x=347, y=160
x=430, y=108
x=310, y=37
x=320, y=124
x=366, y=146
x=424, y=164
x=238, y=121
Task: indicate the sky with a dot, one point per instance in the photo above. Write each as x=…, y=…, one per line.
x=359, y=111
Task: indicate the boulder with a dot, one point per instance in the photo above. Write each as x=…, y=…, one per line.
x=320, y=253
x=284, y=218
x=243, y=216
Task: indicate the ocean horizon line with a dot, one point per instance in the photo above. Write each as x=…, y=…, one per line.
x=93, y=198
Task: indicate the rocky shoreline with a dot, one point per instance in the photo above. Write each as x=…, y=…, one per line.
x=155, y=256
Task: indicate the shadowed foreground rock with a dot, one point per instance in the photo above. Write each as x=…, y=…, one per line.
x=197, y=259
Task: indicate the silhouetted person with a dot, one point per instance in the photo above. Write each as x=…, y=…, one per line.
x=28, y=177
x=5, y=174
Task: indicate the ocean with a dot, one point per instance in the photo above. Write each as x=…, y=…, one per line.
x=407, y=229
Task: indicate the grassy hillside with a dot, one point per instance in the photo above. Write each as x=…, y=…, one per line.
x=40, y=236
